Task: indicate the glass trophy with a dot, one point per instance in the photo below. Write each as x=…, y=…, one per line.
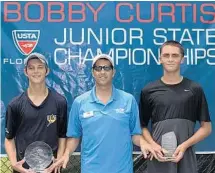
x=38, y=155
x=169, y=144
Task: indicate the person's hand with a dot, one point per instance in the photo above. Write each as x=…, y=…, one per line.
x=158, y=151
x=18, y=166
x=57, y=168
x=147, y=150
x=179, y=153
x=58, y=164
x=164, y=158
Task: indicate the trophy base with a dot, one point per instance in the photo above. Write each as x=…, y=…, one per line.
x=169, y=158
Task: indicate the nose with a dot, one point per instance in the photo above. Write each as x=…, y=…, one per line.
x=170, y=59
x=102, y=71
x=35, y=70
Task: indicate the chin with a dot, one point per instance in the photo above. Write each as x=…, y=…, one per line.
x=37, y=81
x=171, y=70
x=102, y=83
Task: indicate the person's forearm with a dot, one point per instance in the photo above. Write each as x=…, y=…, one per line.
x=11, y=150
x=147, y=136
x=138, y=140
x=61, y=147
x=71, y=145
x=200, y=134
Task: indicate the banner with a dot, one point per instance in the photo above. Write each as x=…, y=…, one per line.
x=70, y=34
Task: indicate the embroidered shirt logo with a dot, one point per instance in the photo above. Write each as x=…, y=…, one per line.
x=186, y=90
x=120, y=110
x=6, y=130
x=51, y=119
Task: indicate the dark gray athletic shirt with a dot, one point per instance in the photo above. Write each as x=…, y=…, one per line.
x=173, y=108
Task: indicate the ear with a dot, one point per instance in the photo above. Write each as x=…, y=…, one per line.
x=114, y=72
x=25, y=72
x=92, y=73
x=47, y=71
x=182, y=60
x=160, y=60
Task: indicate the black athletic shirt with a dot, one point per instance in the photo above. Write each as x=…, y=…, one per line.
x=26, y=122
x=185, y=100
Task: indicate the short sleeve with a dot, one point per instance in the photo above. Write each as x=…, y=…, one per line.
x=62, y=121
x=203, y=112
x=144, y=109
x=135, y=128
x=74, y=125
x=11, y=123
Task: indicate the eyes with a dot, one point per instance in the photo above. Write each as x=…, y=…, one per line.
x=174, y=55
x=33, y=68
x=105, y=68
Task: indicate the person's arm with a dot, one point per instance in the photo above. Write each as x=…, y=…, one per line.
x=62, y=127
x=61, y=147
x=60, y=152
x=135, y=130
x=74, y=133
x=198, y=136
x=136, y=140
x=71, y=145
x=11, y=125
x=11, y=152
x=205, y=125
x=147, y=136
x=145, y=116
x=145, y=147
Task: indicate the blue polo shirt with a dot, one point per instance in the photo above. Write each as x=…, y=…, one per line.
x=106, y=131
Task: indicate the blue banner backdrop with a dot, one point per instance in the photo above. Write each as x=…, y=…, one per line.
x=70, y=34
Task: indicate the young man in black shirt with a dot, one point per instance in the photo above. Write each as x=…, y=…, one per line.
x=38, y=114
x=174, y=104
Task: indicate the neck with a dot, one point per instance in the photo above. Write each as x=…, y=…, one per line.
x=171, y=78
x=37, y=90
x=104, y=93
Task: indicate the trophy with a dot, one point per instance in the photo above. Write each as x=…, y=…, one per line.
x=38, y=155
x=169, y=144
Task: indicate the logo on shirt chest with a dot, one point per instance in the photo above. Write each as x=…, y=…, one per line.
x=51, y=119
x=120, y=110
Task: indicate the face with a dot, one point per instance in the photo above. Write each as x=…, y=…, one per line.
x=36, y=71
x=171, y=58
x=103, y=73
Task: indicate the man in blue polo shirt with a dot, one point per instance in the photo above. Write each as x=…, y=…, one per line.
x=107, y=121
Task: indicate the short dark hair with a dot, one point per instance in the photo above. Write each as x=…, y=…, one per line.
x=173, y=43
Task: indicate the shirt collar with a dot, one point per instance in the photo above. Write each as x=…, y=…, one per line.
x=93, y=97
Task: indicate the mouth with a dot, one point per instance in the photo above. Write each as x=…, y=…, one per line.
x=171, y=64
x=102, y=77
x=36, y=77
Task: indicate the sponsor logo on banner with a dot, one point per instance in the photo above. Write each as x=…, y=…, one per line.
x=25, y=40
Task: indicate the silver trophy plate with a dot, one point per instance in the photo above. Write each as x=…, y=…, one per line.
x=169, y=144
x=38, y=156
